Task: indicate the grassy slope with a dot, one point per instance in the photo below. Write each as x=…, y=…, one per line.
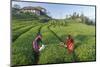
x=53, y=53
x=83, y=35
x=22, y=48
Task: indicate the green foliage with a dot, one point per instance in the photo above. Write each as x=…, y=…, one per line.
x=22, y=51
x=20, y=31
x=20, y=15
x=52, y=32
x=54, y=53
x=24, y=16
x=84, y=37
x=80, y=18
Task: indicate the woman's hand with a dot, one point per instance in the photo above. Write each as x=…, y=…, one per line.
x=62, y=44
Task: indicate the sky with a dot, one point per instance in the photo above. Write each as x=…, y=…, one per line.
x=59, y=11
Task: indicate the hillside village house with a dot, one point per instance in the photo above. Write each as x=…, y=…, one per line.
x=36, y=10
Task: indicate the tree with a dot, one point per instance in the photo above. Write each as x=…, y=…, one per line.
x=15, y=9
x=86, y=20
x=74, y=15
x=67, y=16
x=16, y=6
x=82, y=18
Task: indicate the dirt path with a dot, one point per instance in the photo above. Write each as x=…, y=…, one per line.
x=37, y=55
x=39, y=31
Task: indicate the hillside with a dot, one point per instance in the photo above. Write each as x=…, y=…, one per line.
x=53, y=34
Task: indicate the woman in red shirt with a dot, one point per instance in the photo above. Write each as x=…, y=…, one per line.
x=70, y=44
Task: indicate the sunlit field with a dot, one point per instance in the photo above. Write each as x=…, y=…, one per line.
x=24, y=32
x=51, y=33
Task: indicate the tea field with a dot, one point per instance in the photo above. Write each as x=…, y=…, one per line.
x=53, y=34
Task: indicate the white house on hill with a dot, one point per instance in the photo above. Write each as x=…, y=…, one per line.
x=36, y=10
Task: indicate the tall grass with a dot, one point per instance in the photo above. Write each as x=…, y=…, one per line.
x=17, y=33
x=22, y=52
x=83, y=35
